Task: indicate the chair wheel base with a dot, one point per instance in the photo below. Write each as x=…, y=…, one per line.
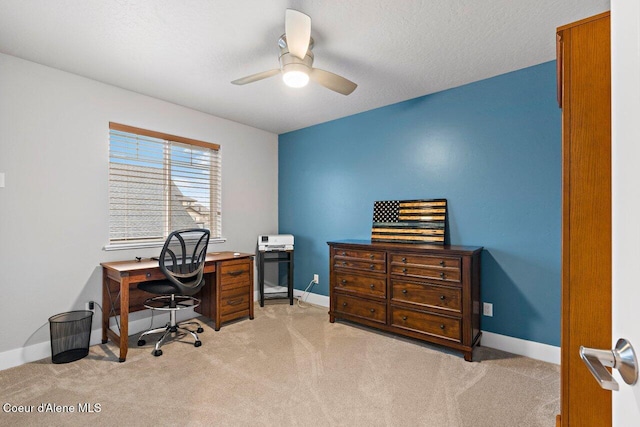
x=197, y=343
x=200, y=330
x=141, y=343
x=157, y=353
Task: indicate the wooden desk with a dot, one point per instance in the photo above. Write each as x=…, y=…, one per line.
x=120, y=294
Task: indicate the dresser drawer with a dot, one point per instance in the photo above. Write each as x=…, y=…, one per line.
x=427, y=323
x=363, y=255
x=427, y=295
x=372, y=286
x=425, y=260
x=373, y=266
x=419, y=272
x=370, y=310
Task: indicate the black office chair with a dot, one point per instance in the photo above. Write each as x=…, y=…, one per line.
x=182, y=261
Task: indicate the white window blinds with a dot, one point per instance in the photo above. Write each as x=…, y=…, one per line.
x=159, y=183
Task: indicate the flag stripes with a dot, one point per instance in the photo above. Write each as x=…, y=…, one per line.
x=409, y=221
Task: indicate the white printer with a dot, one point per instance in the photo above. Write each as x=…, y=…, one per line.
x=275, y=242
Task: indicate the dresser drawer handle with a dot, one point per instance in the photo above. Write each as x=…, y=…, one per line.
x=371, y=267
x=344, y=304
x=441, y=326
x=344, y=254
x=235, y=272
x=148, y=275
x=404, y=260
x=442, y=297
x=344, y=263
x=373, y=310
x=442, y=276
x=235, y=301
x=404, y=291
x=442, y=263
x=372, y=286
x=371, y=256
x=343, y=281
x=404, y=270
x=404, y=317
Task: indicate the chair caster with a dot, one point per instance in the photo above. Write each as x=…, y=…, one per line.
x=197, y=343
x=141, y=343
x=200, y=330
x=157, y=353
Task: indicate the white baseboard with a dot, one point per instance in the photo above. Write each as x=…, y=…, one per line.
x=31, y=353
x=311, y=298
x=531, y=349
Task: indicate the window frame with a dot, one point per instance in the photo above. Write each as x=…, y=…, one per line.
x=139, y=244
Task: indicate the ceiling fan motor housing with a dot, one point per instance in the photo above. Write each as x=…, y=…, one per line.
x=289, y=62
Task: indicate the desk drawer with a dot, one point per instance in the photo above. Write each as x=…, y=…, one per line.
x=146, y=275
x=233, y=300
x=234, y=272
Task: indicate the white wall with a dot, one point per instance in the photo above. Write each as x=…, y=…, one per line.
x=54, y=208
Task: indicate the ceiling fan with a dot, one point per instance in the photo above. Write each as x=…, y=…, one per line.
x=296, y=59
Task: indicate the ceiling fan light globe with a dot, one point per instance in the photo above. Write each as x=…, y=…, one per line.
x=295, y=78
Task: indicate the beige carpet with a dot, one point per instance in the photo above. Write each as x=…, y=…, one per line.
x=288, y=367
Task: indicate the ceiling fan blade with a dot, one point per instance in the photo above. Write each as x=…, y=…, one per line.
x=333, y=81
x=255, y=77
x=297, y=27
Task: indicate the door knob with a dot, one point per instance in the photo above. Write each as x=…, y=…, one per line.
x=623, y=358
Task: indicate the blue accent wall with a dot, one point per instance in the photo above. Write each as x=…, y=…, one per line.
x=491, y=148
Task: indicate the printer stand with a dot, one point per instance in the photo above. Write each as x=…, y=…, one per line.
x=283, y=256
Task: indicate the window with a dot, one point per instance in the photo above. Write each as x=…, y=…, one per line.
x=159, y=183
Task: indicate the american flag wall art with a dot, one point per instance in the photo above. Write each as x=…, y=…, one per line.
x=409, y=221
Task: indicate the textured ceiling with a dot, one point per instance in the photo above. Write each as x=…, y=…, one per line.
x=188, y=52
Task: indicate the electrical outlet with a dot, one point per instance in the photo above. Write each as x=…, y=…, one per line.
x=315, y=279
x=487, y=309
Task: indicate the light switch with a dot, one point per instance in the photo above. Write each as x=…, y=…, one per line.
x=1, y=179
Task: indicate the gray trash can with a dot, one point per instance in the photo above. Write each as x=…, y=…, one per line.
x=70, y=334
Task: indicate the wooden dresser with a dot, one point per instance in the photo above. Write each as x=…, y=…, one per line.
x=428, y=292
x=231, y=296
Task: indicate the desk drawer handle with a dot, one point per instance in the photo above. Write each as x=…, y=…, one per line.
x=404, y=317
x=442, y=297
x=344, y=304
x=148, y=275
x=372, y=286
x=235, y=272
x=441, y=326
x=404, y=291
x=373, y=310
x=235, y=301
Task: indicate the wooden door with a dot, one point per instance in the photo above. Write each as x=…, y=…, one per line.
x=625, y=97
x=584, y=58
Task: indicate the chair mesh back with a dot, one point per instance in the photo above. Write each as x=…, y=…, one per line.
x=182, y=259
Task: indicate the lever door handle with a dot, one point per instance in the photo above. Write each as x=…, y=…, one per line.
x=623, y=358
